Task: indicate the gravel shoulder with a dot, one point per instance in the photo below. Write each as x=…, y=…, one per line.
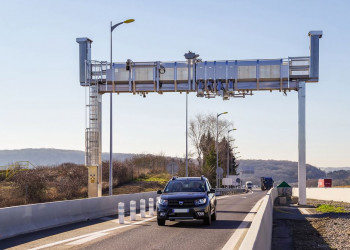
x=333, y=227
x=295, y=230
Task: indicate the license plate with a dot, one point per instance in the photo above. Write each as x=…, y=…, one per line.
x=181, y=210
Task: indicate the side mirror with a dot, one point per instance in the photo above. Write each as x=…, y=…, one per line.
x=159, y=192
x=212, y=191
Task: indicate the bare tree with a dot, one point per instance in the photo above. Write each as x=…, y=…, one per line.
x=202, y=125
x=198, y=127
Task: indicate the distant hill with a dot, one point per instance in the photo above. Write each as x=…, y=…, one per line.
x=51, y=156
x=278, y=170
x=329, y=169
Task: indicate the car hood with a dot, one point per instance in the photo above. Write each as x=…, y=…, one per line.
x=179, y=195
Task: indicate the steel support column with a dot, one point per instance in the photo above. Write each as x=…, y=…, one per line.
x=301, y=144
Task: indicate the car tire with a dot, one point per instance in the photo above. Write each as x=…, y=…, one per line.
x=207, y=220
x=160, y=222
x=213, y=216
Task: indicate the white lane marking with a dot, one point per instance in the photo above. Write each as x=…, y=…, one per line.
x=222, y=197
x=90, y=234
x=235, y=239
x=226, y=196
x=86, y=239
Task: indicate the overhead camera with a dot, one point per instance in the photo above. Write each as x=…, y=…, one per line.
x=191, y=55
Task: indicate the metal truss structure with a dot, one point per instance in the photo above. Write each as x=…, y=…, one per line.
x=227, y=79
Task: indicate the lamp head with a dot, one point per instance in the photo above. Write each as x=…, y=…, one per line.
x=129, y=21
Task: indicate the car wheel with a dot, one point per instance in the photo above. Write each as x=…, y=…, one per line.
x=213, y=216
x=207, y=220
x=160, y=222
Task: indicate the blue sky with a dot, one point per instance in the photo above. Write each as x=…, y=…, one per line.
x=42, y=103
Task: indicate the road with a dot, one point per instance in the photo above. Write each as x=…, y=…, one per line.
x=106, y=233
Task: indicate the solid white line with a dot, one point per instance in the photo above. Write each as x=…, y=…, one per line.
x=232, y=195
x=222, y=197
x=86, y=239
x=90, y=234
x=242, y=229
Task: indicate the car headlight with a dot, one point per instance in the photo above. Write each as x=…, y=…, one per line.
x=200, y=201
x=163, y=202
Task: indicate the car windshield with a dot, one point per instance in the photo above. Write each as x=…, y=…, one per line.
x=185, y=186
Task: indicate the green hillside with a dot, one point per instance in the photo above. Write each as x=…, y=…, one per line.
x=278, y=170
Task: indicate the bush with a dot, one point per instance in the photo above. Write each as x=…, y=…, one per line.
x=31, y=185
x=71, y=181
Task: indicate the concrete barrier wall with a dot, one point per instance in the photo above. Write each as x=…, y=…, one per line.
x=259, y=235
x=328, y=194
x=29, y=218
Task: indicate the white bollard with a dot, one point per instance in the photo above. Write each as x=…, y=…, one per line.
x=132, y=210
x=121, y=212
x=143, y=208
x=151, y=206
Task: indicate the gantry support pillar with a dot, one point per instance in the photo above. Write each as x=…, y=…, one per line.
x=301, y=144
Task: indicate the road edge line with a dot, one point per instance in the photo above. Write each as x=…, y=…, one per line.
x=235, y=239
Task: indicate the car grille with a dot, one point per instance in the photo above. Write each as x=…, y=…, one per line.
x=186, y=203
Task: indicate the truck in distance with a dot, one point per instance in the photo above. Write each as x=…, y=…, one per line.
x=266, y=183
x=249, y=185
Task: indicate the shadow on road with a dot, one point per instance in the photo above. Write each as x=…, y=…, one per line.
x=235, y=212
x=25, y=238
x=291, y=230
x=218, y=224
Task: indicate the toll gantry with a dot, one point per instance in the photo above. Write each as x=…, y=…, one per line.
x=226, y=79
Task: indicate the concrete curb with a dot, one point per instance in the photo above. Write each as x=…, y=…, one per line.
x=30, y=218
x=259, y=235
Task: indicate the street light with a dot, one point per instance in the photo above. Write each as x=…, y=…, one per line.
x=111, y=99
x=228, y=151
x=217, y=151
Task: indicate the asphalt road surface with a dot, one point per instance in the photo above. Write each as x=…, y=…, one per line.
x=106, y=233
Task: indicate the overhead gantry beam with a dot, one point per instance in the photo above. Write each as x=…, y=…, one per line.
x=230, y=78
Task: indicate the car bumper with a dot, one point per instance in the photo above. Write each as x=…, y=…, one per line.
x=187, y=213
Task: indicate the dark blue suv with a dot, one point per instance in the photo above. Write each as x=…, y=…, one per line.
x=187, y=198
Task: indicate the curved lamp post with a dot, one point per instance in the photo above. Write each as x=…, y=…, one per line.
x=111, y=99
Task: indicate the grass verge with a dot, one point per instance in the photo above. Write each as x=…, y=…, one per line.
x=324, y=208
x=162, y=178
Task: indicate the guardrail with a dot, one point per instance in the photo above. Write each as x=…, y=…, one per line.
x=30, y=218
x=259, y=235
x=328, y=194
